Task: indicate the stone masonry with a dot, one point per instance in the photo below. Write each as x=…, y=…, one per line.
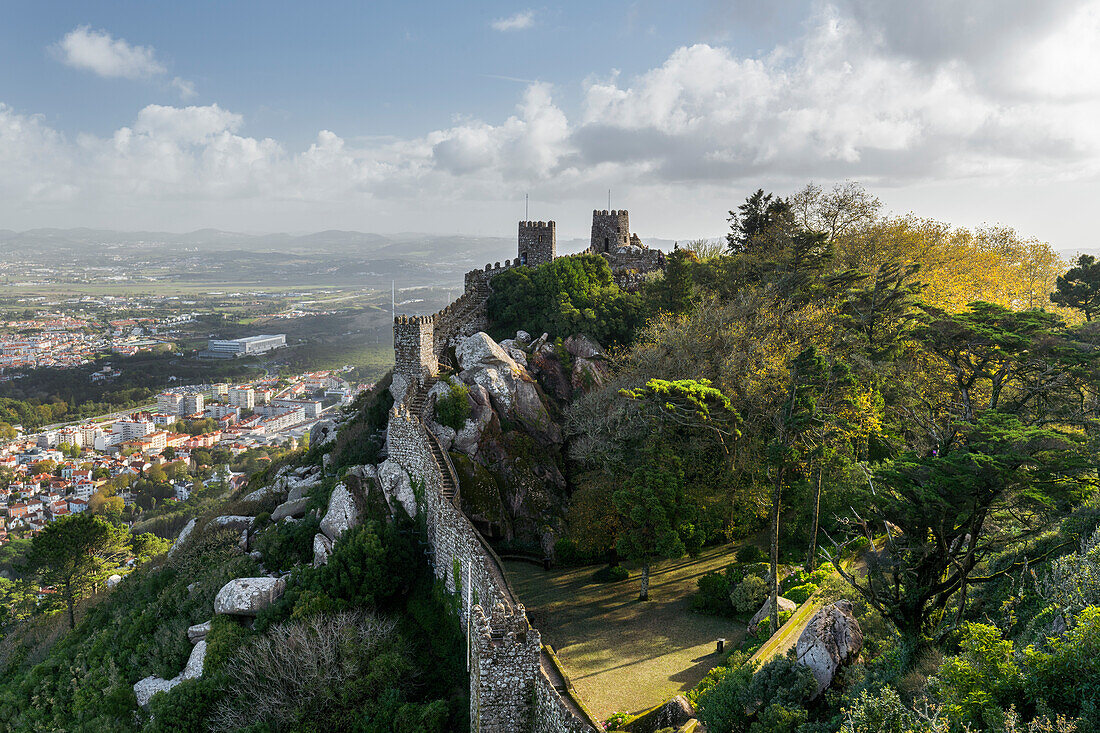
x=538, y=242
x=510, y=690
x=414, y=347
x=610, y=229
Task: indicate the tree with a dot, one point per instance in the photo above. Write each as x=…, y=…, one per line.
x=653, y=512
x=846, y=209
x=69, y=554
x=1079, y=287
x=758, y=216
x=674, y=292
x=938, y=510
x=7, y=432
x=169, y=453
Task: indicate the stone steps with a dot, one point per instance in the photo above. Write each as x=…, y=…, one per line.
x=416, y=406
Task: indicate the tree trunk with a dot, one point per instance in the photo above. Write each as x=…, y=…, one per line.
x=811, y=555
x=72, y=614
x=774, y=554
x=643, y=595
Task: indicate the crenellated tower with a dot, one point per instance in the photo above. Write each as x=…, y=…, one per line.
x=538, y=242
x=610, y=229
x=414, y=347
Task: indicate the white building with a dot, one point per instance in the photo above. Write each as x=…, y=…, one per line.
x=193, y=404
x=129, y=428
x=246, y=346
x=169, y=403
x=242, y=397
x=88, y=434
x=312, y=407
x=70, y=436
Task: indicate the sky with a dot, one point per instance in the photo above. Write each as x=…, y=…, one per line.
x=441, y=116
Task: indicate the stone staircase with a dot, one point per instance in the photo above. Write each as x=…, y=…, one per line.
x=443, y=463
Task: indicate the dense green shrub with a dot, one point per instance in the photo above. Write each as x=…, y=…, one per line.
x=771, y=699
x=453, y=408
x=566, y=296
x=610, y=574
x=361, y=438
x=713, y=596
x=750, y=554
x=748, y=595
x=568, y=554
x=287, y=543
x=800, y=593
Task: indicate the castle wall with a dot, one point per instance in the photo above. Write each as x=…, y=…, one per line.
x=538, y=242
x=610, y=229
x=414, y=347
x=510, y=690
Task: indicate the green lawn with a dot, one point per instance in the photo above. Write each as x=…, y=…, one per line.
x=621, y=654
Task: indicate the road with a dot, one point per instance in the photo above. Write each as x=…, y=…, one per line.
x=99, y=418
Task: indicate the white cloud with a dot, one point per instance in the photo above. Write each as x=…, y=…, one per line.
x=96, y=51
x=186, y=89
x=518, y=22
x=846, y=99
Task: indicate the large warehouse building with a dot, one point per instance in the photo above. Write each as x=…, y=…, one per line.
x=246, y=346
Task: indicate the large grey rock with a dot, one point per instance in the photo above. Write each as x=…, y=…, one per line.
x=484, y=363
x=396, y=487
x=831, y=639
x=248, y=596
x=294, y=508
x=114, y=580
x=198, y=632
x=322, y=548
x=234, y=521
x=586, y=375
x=322, y=432
x=193, y=670
x=342, y=513
x=144, y=689
x=262, y=493
x=766, y=610
x=582, y=347
x=184, y=534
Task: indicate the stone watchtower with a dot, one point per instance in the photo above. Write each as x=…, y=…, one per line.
x=538, y=242
x=414, y=347
x=610, y=229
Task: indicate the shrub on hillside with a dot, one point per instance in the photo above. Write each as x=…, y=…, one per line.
x=713, y=596
x=610, y=574
x=321, y=673
x=287, y=543
x=800, y=593
x=750, y=554
x=748, y=595
x=453, y=408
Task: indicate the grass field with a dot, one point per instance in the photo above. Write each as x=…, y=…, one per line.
x=621, y=654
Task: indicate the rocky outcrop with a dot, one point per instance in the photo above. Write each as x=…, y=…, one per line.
x=114, y=580
x=342, y=514
x=766, y=610
x=144, y=689
x=295, y=508
x=581, y=347
x=322, y=548
x=483, y=362
x=198, y=632
x=396, y=488
x=234, y=521
x=322, y=432
x=831, y=639
x=184, y=534
x=248, y=596
x=481, y=412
